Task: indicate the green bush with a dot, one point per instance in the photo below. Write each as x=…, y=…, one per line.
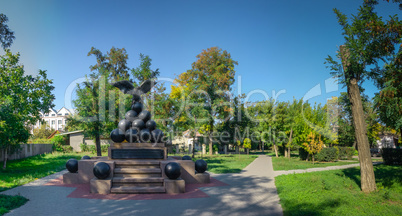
x=40, y=141
x=58, y=143
x=303, y=154
x=346, y=153
x=327, y=154
x=92, y=148
x=84, y=147
x=392, y=156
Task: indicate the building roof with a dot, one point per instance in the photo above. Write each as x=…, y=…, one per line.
x=72, y=132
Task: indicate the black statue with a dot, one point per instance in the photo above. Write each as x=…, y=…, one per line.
x=127, y=87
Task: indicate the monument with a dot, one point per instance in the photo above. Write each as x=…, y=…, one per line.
x=137, y=159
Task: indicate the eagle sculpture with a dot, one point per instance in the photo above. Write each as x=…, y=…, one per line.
x=127, y=87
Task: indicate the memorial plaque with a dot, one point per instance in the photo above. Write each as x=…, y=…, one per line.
x=137, y=154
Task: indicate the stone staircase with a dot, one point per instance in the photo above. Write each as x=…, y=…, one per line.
x=137, y=177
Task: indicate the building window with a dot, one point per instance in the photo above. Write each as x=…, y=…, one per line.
x=47, y=115
x=53, y=114
x=66, y=114
x=59, y=114
x=65, y=122
x=53, y=121
x=59, y=122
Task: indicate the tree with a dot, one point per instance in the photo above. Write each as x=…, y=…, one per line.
x=6, y=35
x=212, y=76
x=21, y=99
x=388, y=101
x=43, y=132
x=368, y=42
x=247, y=144
x=115, y=62
x=313, y=145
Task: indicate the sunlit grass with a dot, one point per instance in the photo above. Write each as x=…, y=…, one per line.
x=337, y=192
x=19, y=172
x=282, y=163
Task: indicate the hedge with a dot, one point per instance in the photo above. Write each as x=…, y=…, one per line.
x=346, y=153
x=392, y=156
x=327, y=154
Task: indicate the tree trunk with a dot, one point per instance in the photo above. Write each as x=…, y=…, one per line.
x=98, y=146
x=313, y=158
x=5, y=158
x=354, y=144
x=290, y=141
x=247, y=151
x=276, y=150
x=366, y=164
x=286, y=154
x=263, y=145
x=308, y=155
x=211, y=124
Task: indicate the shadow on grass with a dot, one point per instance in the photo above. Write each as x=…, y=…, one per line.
x=387, y=175
x=309, y=209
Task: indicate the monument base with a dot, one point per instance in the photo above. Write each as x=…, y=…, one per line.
x=71, y=178
x=175, y=186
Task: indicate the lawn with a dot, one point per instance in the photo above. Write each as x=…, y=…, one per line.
x=337, y=192
x=282, y=163
x=227, y=163
x=25, y=170
x=8, y=203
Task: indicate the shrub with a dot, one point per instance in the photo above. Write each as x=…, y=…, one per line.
x=327, y=154
x=392, y=156
x=84, y=147
x=346, y=153
x=303, y=154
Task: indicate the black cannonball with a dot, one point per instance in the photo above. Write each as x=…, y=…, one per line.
x=157, y=136
x=172, y=170
x=124, y=124
x=101, y=170
x=137, y=107
x=144, y=115
x=145, y=135
x=85, y=157
x=200, y=166
x=132, y=135
x=186, y=157
x=138, y=123
x=72, y=165
x=151, y=125
x=131, y=115
x=117, y=135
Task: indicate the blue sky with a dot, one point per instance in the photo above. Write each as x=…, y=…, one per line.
x=280, y=45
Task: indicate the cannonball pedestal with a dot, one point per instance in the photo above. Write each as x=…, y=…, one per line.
x=175, y=186
x=103, y=186
x=71, y=178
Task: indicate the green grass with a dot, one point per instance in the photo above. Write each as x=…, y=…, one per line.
x=227, y=163
x=282, y=163
x=19, y=172
x=337, y=192
x=8, y=203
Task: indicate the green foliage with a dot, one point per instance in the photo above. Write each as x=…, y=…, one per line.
x=59, y=144
x=327, y=154
x=303, y=154
x=6, y=35
x=247, y=143
x=21, y=99
x=41, y=141
x=92, y=148
x=337, y=192
x=43, y=132
x=346, y=153
x=392, y=156
x=8, y=202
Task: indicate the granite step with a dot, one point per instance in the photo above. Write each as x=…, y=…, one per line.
x=137, y=175
x=137, y=170
x=137, y=190
x=137, y=180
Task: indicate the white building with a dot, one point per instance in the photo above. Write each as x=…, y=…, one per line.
x=56, y=120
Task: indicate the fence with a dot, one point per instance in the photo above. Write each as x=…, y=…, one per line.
x=28, y=150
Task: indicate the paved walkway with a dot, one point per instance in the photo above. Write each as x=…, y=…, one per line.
x=251, y=192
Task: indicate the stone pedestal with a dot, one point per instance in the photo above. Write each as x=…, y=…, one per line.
x=137, y=151
x=175, y=186
x=71, y=178
x=85, y=170
x=101, y=186
x=203, y=178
